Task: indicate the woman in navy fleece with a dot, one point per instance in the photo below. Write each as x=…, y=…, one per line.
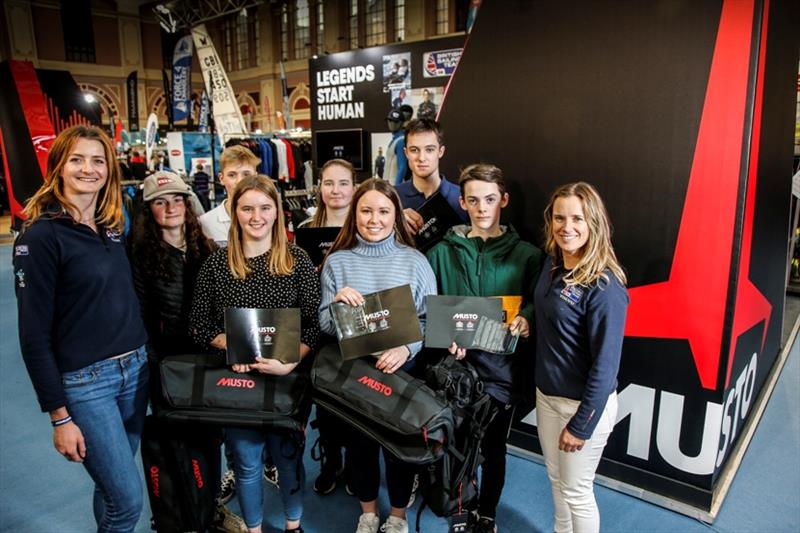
x=80, y=330
x=580, y=303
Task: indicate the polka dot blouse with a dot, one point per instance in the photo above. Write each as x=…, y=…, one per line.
x=217, y=289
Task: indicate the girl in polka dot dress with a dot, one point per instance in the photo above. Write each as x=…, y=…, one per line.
x=260, y=269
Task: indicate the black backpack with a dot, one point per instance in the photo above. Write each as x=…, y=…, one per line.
x=182, y=473
x=449, y=483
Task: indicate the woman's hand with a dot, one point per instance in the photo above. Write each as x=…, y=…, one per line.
x=68, y=441
x=392, y=359
x=241, y=368
x=349, y=296
x=454, y=349
x=569, y=443
x=519, y=326
x=272, y=366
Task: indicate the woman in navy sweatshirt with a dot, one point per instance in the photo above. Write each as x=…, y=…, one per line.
x=80, y=330
x=580, y=304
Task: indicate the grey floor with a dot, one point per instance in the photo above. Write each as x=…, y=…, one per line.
x=41, y=492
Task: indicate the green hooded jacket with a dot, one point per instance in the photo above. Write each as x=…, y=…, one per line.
x=500, y=266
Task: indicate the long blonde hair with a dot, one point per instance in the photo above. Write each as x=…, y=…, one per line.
x=597, y=254
x=108, y=212
x=320, y=218
x=281, y=261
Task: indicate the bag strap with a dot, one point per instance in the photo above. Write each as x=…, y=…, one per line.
x=411, y=389
x=198, y=383
x=344, y=372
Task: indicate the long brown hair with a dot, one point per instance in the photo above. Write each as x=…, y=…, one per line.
x=151, y=252
x=320, y=218
x=598, y=253
x=347, y=236
x=281, y=261
x=108, y=212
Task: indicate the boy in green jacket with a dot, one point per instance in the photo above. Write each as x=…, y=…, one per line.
x=488, y=259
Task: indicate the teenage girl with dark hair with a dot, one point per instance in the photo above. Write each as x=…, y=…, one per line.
x=374, y=251
x=168, y=249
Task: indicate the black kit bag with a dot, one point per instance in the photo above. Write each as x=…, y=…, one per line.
x=401, y=413
x=448, y=484
x=182, y=473
x=201, y=388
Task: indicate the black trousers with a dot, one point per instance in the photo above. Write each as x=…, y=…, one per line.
x=493, y=469
x=332, y=435
x=363, y=459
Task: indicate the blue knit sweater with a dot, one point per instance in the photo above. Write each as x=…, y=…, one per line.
x=370, y=267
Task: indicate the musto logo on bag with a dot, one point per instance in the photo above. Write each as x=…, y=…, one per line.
x=465, y=321
x=154, y=481
x=264, y=334
x=198, y=476
x=375, y=385
x=239, y=383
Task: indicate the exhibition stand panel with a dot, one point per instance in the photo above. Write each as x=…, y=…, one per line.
x=681, y=114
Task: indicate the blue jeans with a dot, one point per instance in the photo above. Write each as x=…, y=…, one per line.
x=286, y=450
x=108, y=402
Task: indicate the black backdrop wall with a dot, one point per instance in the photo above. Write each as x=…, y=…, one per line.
x=681, y=113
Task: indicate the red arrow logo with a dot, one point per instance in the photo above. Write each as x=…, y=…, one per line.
x=691, y=303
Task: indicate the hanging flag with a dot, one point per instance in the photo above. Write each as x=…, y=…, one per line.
x=202, y=120
x=133, y=100
x=227, y=117
x=285, y=89
x=150, y=137
x=167, y=98
x=181, y=78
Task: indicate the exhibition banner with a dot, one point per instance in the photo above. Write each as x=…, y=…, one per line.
x=440, y=63
x=150, y=136
x=132, y=86
x=177, y=161
x=167, y=98
x=202, y=121
x=181, y=78
x=228, y=119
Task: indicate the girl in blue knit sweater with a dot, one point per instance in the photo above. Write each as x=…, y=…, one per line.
x=374, y=251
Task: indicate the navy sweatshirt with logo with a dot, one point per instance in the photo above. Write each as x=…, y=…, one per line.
x=579, y=332
x=75, y=300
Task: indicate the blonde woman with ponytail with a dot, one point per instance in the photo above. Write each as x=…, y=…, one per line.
x=260, y=269
x=580, y=305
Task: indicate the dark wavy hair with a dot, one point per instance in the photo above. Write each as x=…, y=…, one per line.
x=151, y=252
